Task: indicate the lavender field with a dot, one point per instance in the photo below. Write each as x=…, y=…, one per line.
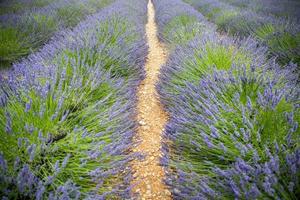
x=149, y=99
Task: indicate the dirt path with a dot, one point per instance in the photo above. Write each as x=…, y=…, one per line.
x=148, y=176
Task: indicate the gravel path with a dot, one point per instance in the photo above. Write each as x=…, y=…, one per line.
x=149, y=175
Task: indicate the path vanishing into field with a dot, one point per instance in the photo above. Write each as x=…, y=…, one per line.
x=148, y=174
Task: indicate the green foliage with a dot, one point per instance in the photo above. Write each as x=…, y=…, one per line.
x=264, y=31
x=274, y=123
x=115, y=32
x=204, y=60
x=212, y=12
x=115, y=61
x=280, y=42
x=224, y=19
x=19, y=41
x=35, y=29
x=82, y=93
x=182, y=29
x=270, y=126
x=285, y=44
x=17, y=6
x=96, y=4
x=66, y=139
x=41, y=3
x=70, y=15
x=42, y=24
x=55, y=120
x=12, y=44
x=11, y=9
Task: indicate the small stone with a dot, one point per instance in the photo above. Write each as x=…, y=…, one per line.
x=142, y=123
x=176, y=191
x=148, y=187
x=167, y=192
x=152, y=158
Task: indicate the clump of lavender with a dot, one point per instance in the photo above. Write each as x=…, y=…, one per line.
x=280, y=35
x=201, y=53
x=279, y=8
x=204, y=54
x=233, y=131
x=8, y=6
x=66, y=115
x=178, y=24
x=27, y=31
x=235, y=137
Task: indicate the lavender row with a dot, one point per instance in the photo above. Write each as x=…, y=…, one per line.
x=67, y=112
x=17, y=6
x=280, y=35
x=24, y=33
x=234, y=113
x=280, y=8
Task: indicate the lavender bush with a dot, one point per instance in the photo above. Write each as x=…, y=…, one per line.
x=234, y=114
x=205, y=54
x=22, y=33
x=280, y=35
x=280, y=8
x=67, y=111
x=19, y=6
x=235, y=136
x=178, y=24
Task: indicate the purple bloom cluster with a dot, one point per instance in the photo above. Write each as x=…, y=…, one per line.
x=233, y=131
x=67, y=112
